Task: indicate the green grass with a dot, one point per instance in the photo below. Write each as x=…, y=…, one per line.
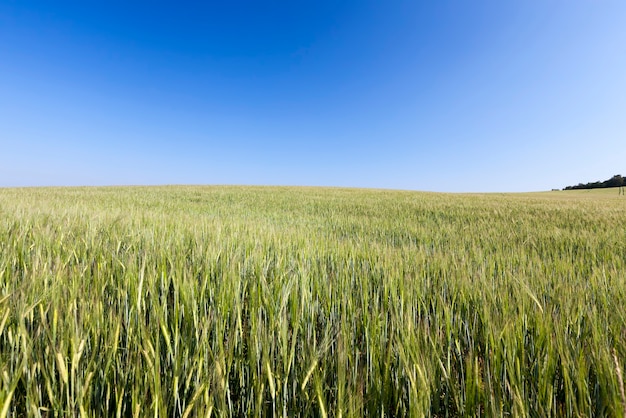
x=251, y=301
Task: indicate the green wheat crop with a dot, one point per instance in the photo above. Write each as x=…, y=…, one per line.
x=244, y=301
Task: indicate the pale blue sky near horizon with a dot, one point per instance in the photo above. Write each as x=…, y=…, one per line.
x=451, y=95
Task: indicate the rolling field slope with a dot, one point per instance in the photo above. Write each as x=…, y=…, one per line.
x=258, y=301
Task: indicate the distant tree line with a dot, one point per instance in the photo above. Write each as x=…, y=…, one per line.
x=615, y=181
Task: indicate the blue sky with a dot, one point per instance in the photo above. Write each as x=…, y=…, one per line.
x=450, y=95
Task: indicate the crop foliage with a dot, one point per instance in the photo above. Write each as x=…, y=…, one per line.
x=260, y=301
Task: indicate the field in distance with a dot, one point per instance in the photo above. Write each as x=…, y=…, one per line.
x=235, y=301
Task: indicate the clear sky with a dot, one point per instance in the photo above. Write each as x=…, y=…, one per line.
x=446, y=95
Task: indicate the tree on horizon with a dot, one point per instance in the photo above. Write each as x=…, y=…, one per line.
x=615, y=181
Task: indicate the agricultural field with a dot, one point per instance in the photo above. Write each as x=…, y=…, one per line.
x=265, y=301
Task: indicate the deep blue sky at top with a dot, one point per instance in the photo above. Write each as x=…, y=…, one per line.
x=451, y=95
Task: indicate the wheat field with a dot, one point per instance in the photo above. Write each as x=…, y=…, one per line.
x=194, y=301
